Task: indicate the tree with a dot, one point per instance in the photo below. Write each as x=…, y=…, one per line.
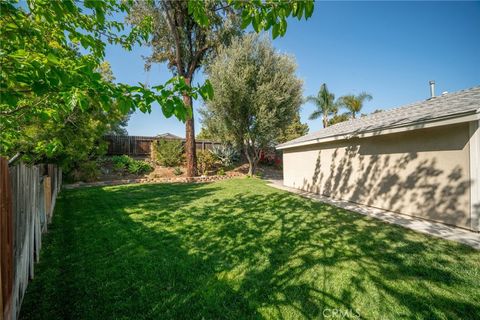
x=74, y=136
x=324, y=103
x=181, y=42
x=256, y=95
x=337, y=118
x=205, y=134
x=354, y=103
x=46, y=76
x=294, y=130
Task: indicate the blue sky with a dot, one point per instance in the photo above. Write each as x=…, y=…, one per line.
x=389, y=49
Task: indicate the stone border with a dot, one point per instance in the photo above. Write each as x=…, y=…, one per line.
x=202, y=179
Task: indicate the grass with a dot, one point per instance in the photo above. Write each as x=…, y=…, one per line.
x=239, y=249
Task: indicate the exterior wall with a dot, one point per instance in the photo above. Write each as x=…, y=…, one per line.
x=475, y=174
x=424, y=173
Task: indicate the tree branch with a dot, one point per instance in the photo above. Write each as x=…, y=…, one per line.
x=174, y=30
x=196, y=59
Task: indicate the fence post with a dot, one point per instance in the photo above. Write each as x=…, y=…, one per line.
x=47, y=185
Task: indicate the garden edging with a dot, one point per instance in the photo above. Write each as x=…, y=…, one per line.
x=201, y=179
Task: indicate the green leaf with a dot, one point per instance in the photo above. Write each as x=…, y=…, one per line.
x=275, y=30
x=124, y=105
x=246, y=21
x=309, y=7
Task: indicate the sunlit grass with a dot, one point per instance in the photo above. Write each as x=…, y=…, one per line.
x=239, y=249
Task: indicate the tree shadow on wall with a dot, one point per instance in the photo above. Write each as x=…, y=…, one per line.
x=404, y=183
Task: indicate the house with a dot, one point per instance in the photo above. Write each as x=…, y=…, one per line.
x=421, y=159
x=169, y=135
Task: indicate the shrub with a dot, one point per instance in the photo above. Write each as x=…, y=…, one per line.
x=138, y=167
x=121, y=163
x=225, y=154
x=205, y=161
x=221, y=172
x=169, y=153
x=126, y=163
x=177, y=171
x=85, y=171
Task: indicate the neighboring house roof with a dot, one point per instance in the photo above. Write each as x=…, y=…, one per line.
x=448, y=108
x=169, y=136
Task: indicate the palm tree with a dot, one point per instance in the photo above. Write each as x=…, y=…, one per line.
x=354, y=103
x=324, y=101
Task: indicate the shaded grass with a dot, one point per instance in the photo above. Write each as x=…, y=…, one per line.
x=239, y=249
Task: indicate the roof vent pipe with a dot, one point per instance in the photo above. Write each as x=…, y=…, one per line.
x=432, y=88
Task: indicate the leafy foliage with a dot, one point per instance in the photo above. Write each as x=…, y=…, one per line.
x=354, y=103
x=337, y=118
x=177, y=171
x=51, y=55
x=139, y=167
x=206, y=161
x=71, y=138
x=257, y=94
x=86, y=171
x=226, y=154
x=325, y=104
x=121, y=163
x=169, y=153
x=125, y=163
x=294, y=130
x=261, y=15
x=205, y=134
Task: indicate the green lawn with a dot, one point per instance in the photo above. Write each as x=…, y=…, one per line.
x=240, y=249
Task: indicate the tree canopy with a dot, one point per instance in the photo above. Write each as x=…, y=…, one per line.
x=354, y=103
x=257, y=95
x=294, y=130
x=325, y=105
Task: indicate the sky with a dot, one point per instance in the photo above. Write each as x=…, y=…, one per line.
x=388, y=49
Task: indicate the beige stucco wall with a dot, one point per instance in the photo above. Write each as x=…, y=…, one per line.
x=422, y=173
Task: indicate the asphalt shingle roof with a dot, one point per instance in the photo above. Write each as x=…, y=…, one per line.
x=448, y=105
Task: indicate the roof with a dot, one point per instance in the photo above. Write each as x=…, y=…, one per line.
x=448, y=106
x=168, y=135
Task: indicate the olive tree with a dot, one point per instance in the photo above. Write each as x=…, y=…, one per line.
x=257, y=94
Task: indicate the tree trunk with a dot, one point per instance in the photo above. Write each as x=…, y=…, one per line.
x=190, y=146
x=251, y=167
x=252, y=158
x=325, y=121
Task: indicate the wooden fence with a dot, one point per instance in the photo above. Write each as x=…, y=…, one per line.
x=140, y=146
x=27, y=201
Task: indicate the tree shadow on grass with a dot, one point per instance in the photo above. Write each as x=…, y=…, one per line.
x=239, y=250
x=308, y=257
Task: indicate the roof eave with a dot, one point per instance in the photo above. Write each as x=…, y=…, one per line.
x=466, y=117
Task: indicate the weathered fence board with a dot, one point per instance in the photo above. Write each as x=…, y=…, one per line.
x=6, y=241
x=31, y=204
x=141, y=145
